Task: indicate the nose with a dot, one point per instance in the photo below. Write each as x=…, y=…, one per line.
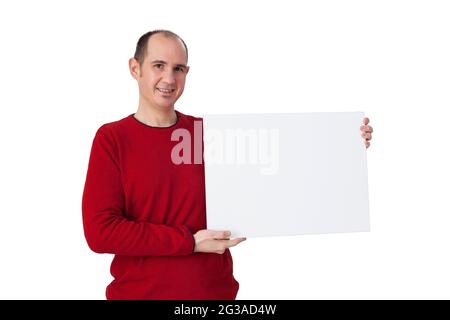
x=169, y=77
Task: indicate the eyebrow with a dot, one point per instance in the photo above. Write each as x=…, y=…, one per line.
x=164, y=62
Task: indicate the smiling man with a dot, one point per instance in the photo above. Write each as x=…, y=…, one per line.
x=140, y=206
x=147, y=210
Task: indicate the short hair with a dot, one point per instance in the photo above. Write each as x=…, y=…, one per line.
x=141, y=46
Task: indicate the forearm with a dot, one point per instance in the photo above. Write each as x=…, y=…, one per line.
x=111, y=233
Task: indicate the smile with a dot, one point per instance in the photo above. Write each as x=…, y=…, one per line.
x=165, y=90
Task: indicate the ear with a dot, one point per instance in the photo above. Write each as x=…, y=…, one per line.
x=135, y=68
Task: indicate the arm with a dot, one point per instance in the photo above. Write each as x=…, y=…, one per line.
x=106, y=228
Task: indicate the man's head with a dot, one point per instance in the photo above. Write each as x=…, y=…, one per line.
x=160, y=66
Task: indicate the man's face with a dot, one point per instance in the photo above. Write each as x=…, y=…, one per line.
x=162, y=76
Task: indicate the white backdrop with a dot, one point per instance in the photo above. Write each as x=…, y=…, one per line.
x=63, y=73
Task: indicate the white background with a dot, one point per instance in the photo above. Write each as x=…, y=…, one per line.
x=63, y=73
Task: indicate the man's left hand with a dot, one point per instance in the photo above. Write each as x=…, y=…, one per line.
x=366, y=132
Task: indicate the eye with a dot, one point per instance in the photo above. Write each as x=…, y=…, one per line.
x=158, y=66
x=179, y=69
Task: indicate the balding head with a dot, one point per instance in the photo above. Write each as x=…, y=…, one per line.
x=144, y=43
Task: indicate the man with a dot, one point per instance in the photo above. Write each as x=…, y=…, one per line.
x=148, y=211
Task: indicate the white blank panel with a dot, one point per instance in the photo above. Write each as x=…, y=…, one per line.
x=291, y=174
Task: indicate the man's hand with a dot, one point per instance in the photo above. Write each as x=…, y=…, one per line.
x=366, y=132
x=214, y=241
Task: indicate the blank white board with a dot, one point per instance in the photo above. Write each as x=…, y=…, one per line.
x=286, y=174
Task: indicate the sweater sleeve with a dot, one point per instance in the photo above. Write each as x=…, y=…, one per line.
x=106, y=228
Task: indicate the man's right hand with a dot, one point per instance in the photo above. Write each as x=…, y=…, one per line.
x=214, y=241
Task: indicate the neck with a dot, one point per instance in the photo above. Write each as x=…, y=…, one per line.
x=154, y=116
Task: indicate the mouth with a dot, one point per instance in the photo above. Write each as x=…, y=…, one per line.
x=165, y=92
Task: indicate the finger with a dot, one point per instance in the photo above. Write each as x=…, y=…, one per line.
x=367, y=144
x=223, y=234
x=366, y=128
x=366, y=135
x=366, y=121
x=234, y=242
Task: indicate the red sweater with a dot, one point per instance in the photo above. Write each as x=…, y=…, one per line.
x=143, y=208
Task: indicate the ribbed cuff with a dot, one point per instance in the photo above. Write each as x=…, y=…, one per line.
x=193, y=239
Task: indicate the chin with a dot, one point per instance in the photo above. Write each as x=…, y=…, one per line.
x=166, y=105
